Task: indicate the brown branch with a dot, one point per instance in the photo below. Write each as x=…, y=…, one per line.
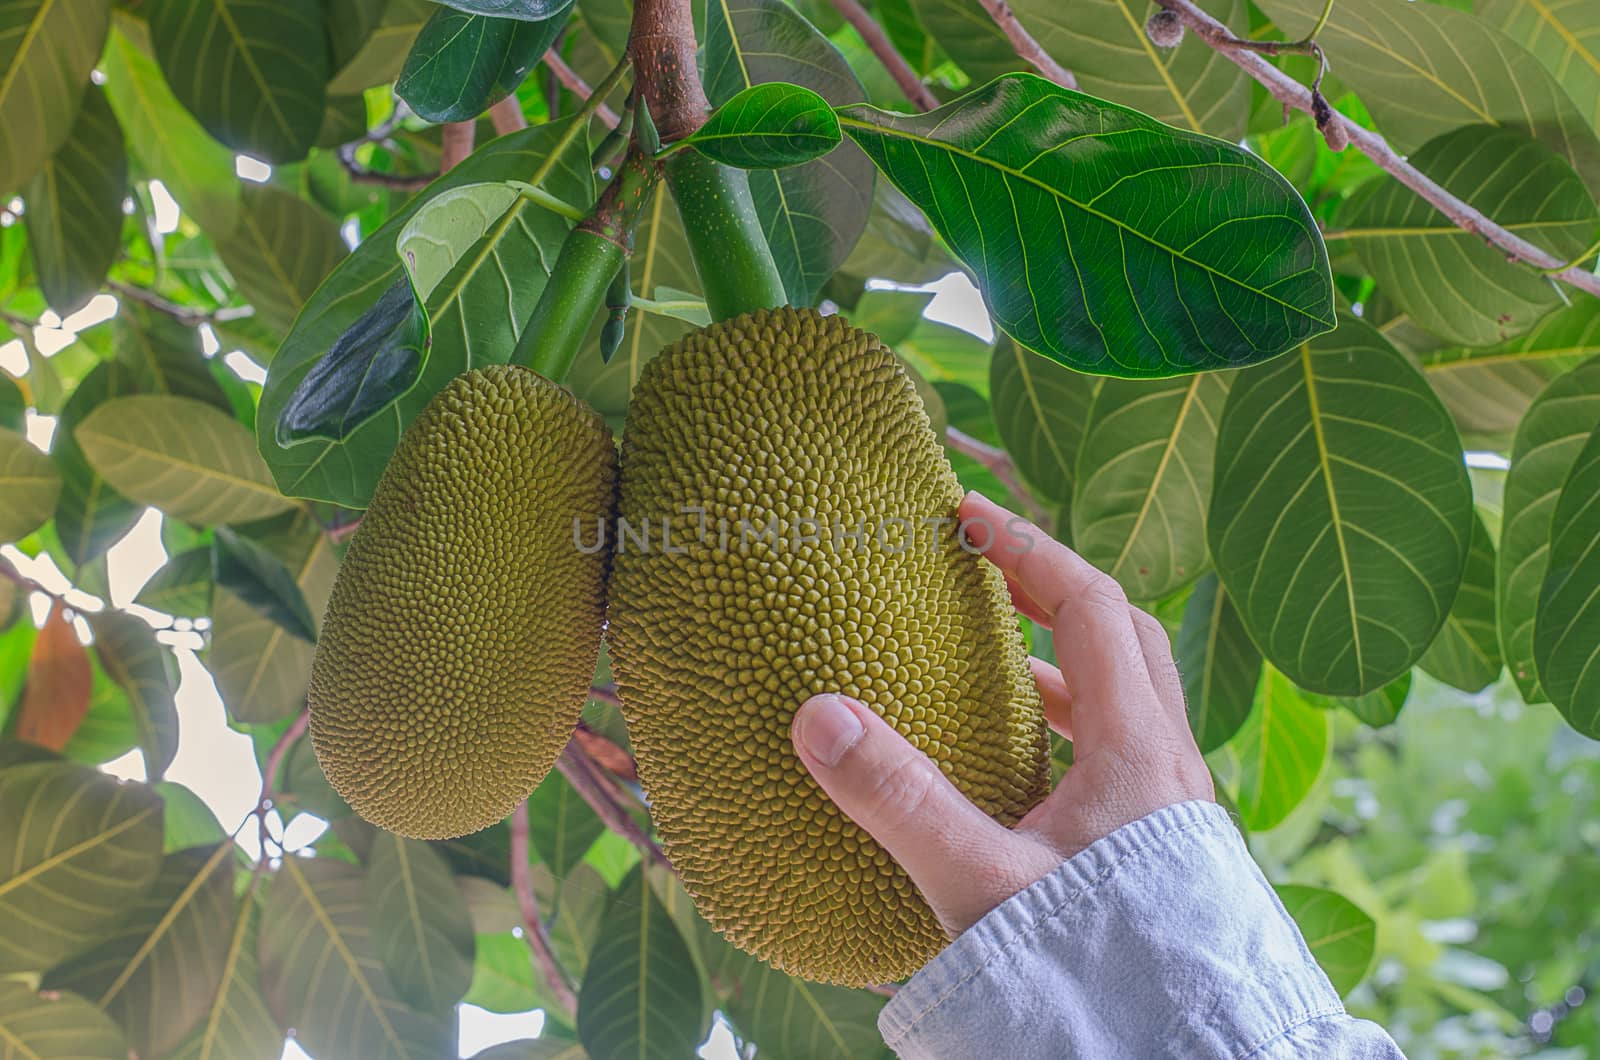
x=269, y=778
x=507, y=116
x=918, y=93
x=362, y=175
x=591, y=785
x=180, y=313
x=663, y=47
x=456, y=143
x=606, y=754
x=578, y=86
x=533, y=930
x=1291, y=93
x=1026, y=47
x=1004, y=468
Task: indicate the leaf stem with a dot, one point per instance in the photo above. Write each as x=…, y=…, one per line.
x=457, y=139
x=507, y=116
x=1026, y=46
x=920, y=95
x=533, y=930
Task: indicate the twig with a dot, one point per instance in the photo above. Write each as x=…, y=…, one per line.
x=606, y=754
x=605, y=694
x=182, y=314
x=578, y=86
x=507, y=116
x=918, y=93
x=269, y=776
x=1026, y=47
x=592, y=787
x=1000, y=463
x=1291, y=93
x=883, y=989
x=544, y=956
x=362, y=175
x=457, y=139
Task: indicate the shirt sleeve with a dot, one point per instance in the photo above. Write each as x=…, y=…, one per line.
x=1161, y=940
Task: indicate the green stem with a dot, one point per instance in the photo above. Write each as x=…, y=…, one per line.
x=729, y=249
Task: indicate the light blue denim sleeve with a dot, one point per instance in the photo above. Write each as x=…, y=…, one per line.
x=1161, y=940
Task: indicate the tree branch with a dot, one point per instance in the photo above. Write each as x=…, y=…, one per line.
x=456, y=143
x=605, y=754
x=592, y=786
x=1004, y=468
x=507, y=116
x=362, y=175
x=663, y=48
x=533, y=932
x=182, y=314
x=916, y=91
x=1026, y=46
x=578, y=86
x=1291, y=93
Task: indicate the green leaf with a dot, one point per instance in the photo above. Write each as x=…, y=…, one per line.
x=791, y=1019
x=321, y=973
x=512, y=258
x=350, y=23
x=1339, y=934
x=252, y=71
x=165, y=138
x=1489, y=390
x=1144, y=480
x=166, y=356
x=502, y=975
x=1566, y=632
x=157, y=972
x=1341, y=511
x=531, y=10
x=534, y=1049
x=1466, y=653
x=1449, y=281
x=1103, y=42
x=261, y=669
x=207, y=473
x=561, y=824
x=74, y=217
x=47, y=48
x=181, y=587
x=382, y=52
x=252, y=573
x=1273, y=761
x=419, y=923
x=13, y=406
x=1423, y=70
x=55, y=1026
x=90, y=515
x=580, y=906
x=1219, y=664
x=460, y=63
x=1561, y=35
x=898, y=242
x=78, y=849
x=1551, y=437
x=970, y=37
x=132, y=657
x=236, y=1024
x=812, y=215
x=1377, y=708
x=641, y=995
x=30, y=484
x=188, y=821
x=768, y=126
x=279, y=251
x=1218, y=261
x=1040, y=408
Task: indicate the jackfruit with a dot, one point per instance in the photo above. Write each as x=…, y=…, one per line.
x=788, y=421
x=464, y=623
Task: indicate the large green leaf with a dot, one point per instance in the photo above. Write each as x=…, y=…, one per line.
x=1566, y=632
x=54, y=1027
x=182, y=586
x=382, y=52
x=236, y=1024
x=1377, y=708
x=252, y=71
x=79, y=848
x=1449, y=281
x=768, y=126
x=1489, y=390
x=970, y=37
x=1273, y=761
x=641, y=995
x=260, y=668
x=561, y=824
x=1103, y=43
x=461, y=63
x=321, y=973
x=1104, y=239
x=1564, y=35
x=74, y=216
x=1143, y=480
x=813, y=214
x=166, y=355
x=279, y=251
x=533, y=10
x=1552, y=435
x=30, y=484
x=1341, y=936
x=47, y=48
x=502, y=976
x=1466, y=653
x=791, y=1019
x=207, y=473
x=1040, y=409
x=1341, y=511
x=898, y=242
x=251, y=572
x=1219, y=664
x=132, y=657
x=157, y=972
x=509, y=259
x=419, y=923
x=1425, y=69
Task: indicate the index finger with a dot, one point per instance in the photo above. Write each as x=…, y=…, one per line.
x=1097, y=646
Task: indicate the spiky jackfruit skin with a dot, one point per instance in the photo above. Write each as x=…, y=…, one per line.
x=790, y=414
x=464, y=624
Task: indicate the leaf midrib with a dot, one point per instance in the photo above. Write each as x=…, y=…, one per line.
x=1333, y=499
x=38, y=868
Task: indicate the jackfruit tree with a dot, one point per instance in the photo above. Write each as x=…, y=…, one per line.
x=441, y=444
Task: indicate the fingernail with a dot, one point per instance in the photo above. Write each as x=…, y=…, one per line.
x=827, y=728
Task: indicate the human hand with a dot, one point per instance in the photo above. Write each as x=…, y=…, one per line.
x=1116, y=696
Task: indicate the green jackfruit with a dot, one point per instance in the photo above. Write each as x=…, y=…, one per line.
x=790, y=420
x=464, y=624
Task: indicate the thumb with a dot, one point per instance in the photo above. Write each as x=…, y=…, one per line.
x=963, y=862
